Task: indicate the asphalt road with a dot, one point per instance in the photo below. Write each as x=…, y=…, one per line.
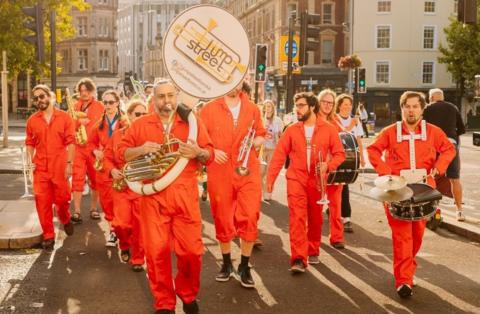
x=83, y=276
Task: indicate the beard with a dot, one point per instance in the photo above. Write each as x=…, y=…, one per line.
x=304, y=117
x=167, y=108
x=412, y=120
x=43, y=105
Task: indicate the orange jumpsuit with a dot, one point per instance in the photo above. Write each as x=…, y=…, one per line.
x=407, y=236
x=126, y=205
x=302, y=183
x=171, y=216
x=84, y=159
x=234, y=199
x=50, y=158
x=99, y=140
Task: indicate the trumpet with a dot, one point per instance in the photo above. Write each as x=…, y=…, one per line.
x=81, y=133
x=320, y=176
x=27, y=171
x=244, y=153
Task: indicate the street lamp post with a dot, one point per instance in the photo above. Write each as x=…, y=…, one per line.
x=289, y=81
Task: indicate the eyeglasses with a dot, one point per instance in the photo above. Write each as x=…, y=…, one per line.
x=139, y=114
x=41, y=97
x=109, y=102
x=327, y=102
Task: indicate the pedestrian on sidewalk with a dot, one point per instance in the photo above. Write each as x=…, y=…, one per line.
x=363, y=116
x=432, y=154
x=447, y=117
x=50, y=141
x=308, y=143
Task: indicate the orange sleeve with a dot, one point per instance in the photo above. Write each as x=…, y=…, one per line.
x=127, y=142
x=108, y=157
x=336, y=150
x=30, y=139
x=204, y=141
x=94, y=140
x=69, y=137
x=375, y=151
x=282, y=150
x=445, y=148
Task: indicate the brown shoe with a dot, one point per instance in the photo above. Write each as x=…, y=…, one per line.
x=48, y=245
x=339, y=245
x=68, y=228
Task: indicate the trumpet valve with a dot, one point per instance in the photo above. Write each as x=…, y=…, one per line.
x=242, y=171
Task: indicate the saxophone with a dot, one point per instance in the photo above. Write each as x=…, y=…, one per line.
x=81, y=132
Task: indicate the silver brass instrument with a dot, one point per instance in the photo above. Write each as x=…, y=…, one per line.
x=244, y=152
x=27, y=171
x=321, y=184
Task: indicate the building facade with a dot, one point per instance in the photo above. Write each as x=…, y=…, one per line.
x=398, y=42
x=93, y=51
x=141, y=27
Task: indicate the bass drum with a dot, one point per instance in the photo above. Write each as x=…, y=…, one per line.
x=347, y=172
x=422, y=205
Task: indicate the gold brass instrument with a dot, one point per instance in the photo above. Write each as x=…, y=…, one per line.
x=98, y=164
x=27, y=171
x=320, y=176
x=81, y=132
x=119, y=185
x=244, y=153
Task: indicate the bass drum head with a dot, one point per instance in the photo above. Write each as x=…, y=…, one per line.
x=347, y=172
x=422, y=205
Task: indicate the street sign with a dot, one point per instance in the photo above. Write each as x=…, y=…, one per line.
x=283, y=54
x=295, y=48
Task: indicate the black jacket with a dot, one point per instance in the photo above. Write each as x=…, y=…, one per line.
x=446, y=116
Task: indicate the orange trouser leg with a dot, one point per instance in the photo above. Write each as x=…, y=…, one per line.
x=122, y=222
x=247, y=210
x=297, y=204
x=105, y=196
x=43, y=190
x=61, y=198
x=83, y=166
x=221, y=204
x=334, y=195
x=136, y=241
x=315, y=219
x=407, y=240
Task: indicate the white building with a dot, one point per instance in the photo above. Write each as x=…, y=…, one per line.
x=397, y=41
x=141, y=25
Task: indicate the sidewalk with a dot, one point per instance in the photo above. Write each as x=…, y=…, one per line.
x=19, y=225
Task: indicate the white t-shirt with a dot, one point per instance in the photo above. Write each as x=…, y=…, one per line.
x=235, y=113
x=274, y=128
x=308, y=136
x=356, y=131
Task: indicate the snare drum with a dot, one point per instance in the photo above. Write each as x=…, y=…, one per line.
x=347, y=172
x=421, y=205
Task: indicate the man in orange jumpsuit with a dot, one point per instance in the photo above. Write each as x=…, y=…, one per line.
x=126, y=203
x=49, y=140
x=436, y=153
x=171, y=217
x=234, y=198
x=84, y=158
x=326, y=101
x=307, y=143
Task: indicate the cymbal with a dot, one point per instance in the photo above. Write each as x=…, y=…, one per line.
x=398, y=195
x=390, y=182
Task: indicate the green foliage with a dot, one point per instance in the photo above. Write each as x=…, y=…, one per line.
x=20, y=54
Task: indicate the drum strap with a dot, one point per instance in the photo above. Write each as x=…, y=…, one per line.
x=411, y=140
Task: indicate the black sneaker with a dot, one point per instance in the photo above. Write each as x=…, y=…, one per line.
x=125, y=256
x=137, y=268
x=246, y=279
x=225, y=273
x=347, y=227
x=68, y=228
x=297, y=267
x=191, y=308
x=405, y=291
x=48, y=245
x=164, y=312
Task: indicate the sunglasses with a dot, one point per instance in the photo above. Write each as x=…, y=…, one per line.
x=109, y=102
x=41, y=97
x=139, y=114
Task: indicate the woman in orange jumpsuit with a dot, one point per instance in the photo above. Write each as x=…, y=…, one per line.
x=307, y=143
x=126, y=203
x=436, y=153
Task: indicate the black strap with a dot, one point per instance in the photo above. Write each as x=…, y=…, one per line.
x=183, y=111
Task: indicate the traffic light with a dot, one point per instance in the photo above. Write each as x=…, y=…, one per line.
x=260, y=62
x=36, y=26
x=362, y=84
x=309, y=35
x=467, y=11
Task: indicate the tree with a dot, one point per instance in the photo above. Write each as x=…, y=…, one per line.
x=461, y=54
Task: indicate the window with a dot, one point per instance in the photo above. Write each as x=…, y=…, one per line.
x=382, y=72
x=103, y=27
x=383, y=37
x=290, y=8
x=384, y=6
x=102, y=1
x=428, y=37
x=327, y=13
x=82, y=59
x=427, y=72
x=327, y=51
x=66, y=62
x=429, y=7
x=82, y=26
x=103, y=60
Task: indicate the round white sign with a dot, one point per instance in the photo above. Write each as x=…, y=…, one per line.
x=206, y=51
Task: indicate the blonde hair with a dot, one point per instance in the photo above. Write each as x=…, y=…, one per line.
x=411, y=94
x=324, y=93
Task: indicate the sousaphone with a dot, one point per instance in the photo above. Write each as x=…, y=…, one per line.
x=206, y=54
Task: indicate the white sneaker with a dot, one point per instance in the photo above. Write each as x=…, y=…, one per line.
x=86, y=189
x=460, y=215
x=112, y=240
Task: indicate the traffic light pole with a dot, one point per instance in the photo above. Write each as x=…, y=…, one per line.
x=289, y=80
x=355, y=89
x=256, y=92
x=53, y=62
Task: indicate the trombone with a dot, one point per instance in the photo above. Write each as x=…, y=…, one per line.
x=244, y=153
x=321, y=184
x=27, y=171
